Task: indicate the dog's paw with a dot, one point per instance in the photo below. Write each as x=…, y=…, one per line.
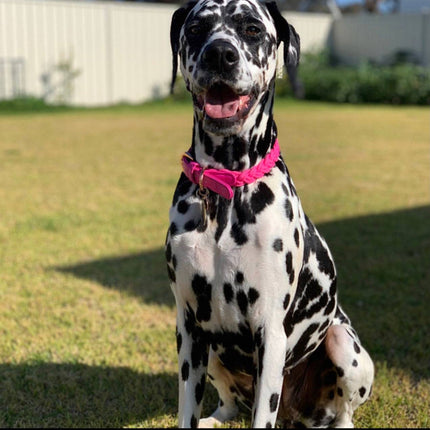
x=209, y=423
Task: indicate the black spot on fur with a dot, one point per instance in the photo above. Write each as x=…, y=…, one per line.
x=362, y=391
x=173, y=229
x=234, y=360
x=185, y=370
x=280, y=165
x=183, y=207
x=261, y=198
x=323, y=326
x=328, y=310
x=171, y=274
x=190, y=319
x=168, y=252
x=221, y=217
x=239, y=277
x=268, y=425
x=354, y=363
x=228, y=292
x=286, y=301
x=339, y=392
x=313, y=290
x=289, y=209
x=238, y=234
x=278, y=245
x=190, y=225
x=198, y=353
x=178, y=342
x=200, y=388
x=289, y=262
x=260, y=359
x=203, y=291
x=253, y=296
x=356, y=348
x=340, y=371
x=300, y=347
x=273, y=402
x=182, y=188
x=243, y=210
x=297, y=237
x=258, y=337
x=242, y=301
x=331, y=394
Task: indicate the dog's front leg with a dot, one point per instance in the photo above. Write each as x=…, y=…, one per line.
x=193, y=361
x=271, y=361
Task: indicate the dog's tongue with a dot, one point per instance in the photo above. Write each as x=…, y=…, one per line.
x=222, y=102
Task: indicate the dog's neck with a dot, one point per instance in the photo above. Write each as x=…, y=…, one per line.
x=242, y=150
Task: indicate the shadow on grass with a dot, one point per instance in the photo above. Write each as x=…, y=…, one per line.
x=383, y=263
x=76, y=395
x=143, y=275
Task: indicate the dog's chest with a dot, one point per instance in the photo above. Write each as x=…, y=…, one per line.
x=231, y=269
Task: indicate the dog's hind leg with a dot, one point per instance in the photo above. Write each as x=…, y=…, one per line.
x=224, y=382
x=354, y=368
x=326, y=388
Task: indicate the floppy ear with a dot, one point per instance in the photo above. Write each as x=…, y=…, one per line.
x=178, y=20
x=287, y=34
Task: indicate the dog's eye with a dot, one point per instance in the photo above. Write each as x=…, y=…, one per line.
x=252, y=30
x=194, y=29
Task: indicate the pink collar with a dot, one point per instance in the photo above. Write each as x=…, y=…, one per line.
x=222, y=181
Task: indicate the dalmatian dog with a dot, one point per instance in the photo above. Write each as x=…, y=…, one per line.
x=254, y=282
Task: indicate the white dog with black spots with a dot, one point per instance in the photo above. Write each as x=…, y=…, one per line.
x=254, y=282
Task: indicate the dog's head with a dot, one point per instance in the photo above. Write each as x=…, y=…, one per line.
x=227, y=51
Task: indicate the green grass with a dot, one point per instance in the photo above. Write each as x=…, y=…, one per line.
x=86, y=315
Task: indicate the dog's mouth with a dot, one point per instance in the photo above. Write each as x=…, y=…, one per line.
x=222, y=102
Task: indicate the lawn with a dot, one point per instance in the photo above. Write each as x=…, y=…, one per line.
x=87, y=318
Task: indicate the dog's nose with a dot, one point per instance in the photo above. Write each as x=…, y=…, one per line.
x=220, y=56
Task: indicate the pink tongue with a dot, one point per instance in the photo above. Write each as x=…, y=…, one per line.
x=221, y=110
x=221, y=102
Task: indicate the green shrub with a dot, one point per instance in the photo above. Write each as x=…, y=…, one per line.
x=28, y=104
x=401, y=83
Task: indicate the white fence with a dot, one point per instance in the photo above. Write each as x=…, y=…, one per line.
x=378, y=37
x=101, y=53
x=96, y=53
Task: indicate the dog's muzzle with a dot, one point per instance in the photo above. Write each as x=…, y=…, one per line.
x=220, y=101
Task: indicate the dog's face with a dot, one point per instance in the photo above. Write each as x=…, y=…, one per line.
x=227, y=51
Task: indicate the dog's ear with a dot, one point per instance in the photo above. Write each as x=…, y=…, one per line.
x=178, y=20
x=287, y=34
